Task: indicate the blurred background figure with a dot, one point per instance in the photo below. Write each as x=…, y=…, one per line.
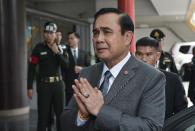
x=191, y=89
x=166, y=61
x=148, y=50
x=62, y=46
x=58, y=37
x=47, y=58
x=78, y=59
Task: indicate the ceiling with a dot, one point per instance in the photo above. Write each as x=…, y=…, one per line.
x=171, y=14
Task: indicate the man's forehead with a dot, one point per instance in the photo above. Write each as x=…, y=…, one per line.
x=102, y=28
x=107, y=19
x=146, y=48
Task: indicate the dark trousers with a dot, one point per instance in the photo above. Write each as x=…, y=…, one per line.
x=50, y=95
x=69, y=93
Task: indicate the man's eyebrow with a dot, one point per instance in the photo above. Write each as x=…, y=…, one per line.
x=105, y=28
x=102, y=28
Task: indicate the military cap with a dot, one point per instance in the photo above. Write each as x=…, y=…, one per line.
x=50, y=27
x=157, y=34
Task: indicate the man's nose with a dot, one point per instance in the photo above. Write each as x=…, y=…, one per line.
x=144, y=58
x=100, y=36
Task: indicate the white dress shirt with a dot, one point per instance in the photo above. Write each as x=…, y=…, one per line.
x=76, y=51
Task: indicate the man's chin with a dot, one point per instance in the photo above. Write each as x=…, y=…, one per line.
x=102, y=56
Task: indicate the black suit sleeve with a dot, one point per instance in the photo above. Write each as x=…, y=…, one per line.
x=180, y=101
x=64, y=60
x=32, y=63
x=191, y=89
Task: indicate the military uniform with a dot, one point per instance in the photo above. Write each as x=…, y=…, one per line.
x=166, y=61
x=50, y=87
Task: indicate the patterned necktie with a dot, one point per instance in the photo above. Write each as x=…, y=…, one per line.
x=74, y=55
x=105, y=84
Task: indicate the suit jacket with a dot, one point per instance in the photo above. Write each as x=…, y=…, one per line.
x=191, y=89
x=135, y=101
x=175, y=94
x=69, y=73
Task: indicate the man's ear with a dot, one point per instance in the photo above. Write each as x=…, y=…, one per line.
x=128, y=36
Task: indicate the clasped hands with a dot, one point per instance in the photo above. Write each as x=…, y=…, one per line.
x=89, y=99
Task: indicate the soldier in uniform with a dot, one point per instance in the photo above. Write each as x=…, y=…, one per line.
x=166, y=61
x=48, y=56
x=62, y=46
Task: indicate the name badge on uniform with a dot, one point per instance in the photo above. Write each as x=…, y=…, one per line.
x=43, y=53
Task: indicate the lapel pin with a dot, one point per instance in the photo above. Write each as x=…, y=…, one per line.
x=126, y=72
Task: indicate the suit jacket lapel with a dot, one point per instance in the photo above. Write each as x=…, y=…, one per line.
x=126, y=73
x=71, y=58
x=95, y=79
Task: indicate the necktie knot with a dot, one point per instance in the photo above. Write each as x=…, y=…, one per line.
x=105, y=84
x=107, y=75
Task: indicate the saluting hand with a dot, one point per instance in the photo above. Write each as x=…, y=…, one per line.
x=55, y=48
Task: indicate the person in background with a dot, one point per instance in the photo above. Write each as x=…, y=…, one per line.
x=59, y=40
x=62, y=46
x=78, y=59
x=148, y=51
x=120, y=93
x=166, y=61
x=48, y=57
x=191, y=89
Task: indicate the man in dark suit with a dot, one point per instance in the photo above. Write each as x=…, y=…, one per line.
x=147, y=50
x=120, y=93
x=78, y=59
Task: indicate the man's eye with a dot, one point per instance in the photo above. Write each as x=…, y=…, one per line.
x=138, y=53
x=95, y=33
x=149, y=54
x=107, y=31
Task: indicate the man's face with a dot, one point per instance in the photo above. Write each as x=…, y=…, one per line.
x=73, y=40
x=49, y=37
x=148, y=54
x=109, y=44
x=58, y=37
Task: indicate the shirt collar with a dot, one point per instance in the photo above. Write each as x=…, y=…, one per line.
x=116, y=69
x=74, y=48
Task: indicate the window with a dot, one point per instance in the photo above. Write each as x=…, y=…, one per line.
x=184, y=49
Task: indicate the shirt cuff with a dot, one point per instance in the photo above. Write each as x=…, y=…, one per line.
x=80, y=122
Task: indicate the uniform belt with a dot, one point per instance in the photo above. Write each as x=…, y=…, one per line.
x=51, y=79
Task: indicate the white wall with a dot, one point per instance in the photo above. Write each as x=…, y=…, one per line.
x=106, y=3
x=169, y=40
x=80, y=9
